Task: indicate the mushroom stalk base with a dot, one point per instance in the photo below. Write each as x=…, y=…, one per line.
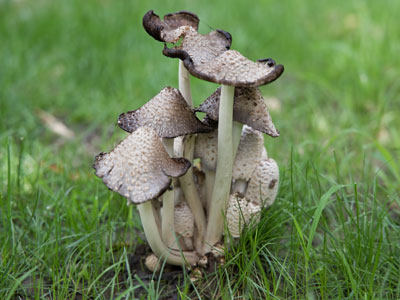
x=223, y=176
x=171, y=256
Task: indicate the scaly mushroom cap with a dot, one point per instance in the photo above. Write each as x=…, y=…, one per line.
x=263, y=185
x=239, y=213
x=183, y=219
x=206, y=149
x=248, y=154
x=152, y=263
x=172, y=27
x=248, y=108
x=167, y=113
x=138, y=168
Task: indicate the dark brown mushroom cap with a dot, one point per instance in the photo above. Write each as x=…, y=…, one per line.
x=248, y=108
x=138, y=168
x=168, y=30
x=167, y=113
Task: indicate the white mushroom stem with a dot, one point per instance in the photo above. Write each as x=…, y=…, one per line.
x=184, y=83
x=167, y=220
x=239, y=186
x=192, y=197
x=236, y=134
x=187, y=181
x=223, y=176
x=209, y=182
x=172, y=257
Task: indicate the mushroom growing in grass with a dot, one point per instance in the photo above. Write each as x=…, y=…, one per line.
x=140, y=169
x=233, y=162
x=169, y=114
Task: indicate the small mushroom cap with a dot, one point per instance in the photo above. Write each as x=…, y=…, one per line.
x=152, y=263
x=263, y=185
x=167, y=113
x=248, y=154
x=248, y=108
x=138, y=168
x=183, y=220
x=239, y=213
x=206, y=149
x=172, y=27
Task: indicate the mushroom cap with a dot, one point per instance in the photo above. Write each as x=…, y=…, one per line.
x=263, y=185
x=240, y=212
x=139, y=168
x=152, y=263
x=232, y=68
x=171, y=28
x=248, y=108
x=183, y=220
x=248, y=154
x=206, y=149
x=167, y=113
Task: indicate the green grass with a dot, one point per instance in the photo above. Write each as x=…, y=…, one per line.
x=334, y=230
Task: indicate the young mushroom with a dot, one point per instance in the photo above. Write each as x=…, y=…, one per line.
x=140, y=169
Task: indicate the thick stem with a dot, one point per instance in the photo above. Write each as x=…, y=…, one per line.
x=236, y=134
x=239, y=186
x=223, y=176
x=209, y=182
x=189, y=189
x=187, y=181
x=172, y=257
x=184, y=84
x=167, y=220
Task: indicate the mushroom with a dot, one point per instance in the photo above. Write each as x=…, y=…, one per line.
x=239, y=213
x=248, y=155
x=184, y=223
x=169, y=114
x=263, y=185
x=139, y=169
x=152, y=263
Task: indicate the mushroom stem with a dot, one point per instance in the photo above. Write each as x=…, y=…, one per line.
x=172, y=257
x=167, y=220
x=223, y=176
x=236, y=134
x=209, y=182
x=184, y=83
x=239, y=186
x=191, y=195
x=187, y=181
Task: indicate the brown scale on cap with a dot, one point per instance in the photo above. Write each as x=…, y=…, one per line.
x=167, y=113
x=248, y=108
x=249, y=153
x=263, y=185
x=139, y=168
x=172, y=27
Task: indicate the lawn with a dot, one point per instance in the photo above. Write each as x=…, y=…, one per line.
x=334, y=229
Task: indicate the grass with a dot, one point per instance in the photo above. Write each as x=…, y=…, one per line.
x=334, y=230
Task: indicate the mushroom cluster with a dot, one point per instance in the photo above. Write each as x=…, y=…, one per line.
x=183, y=205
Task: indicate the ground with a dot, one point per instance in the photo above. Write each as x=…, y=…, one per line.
x=333, y=232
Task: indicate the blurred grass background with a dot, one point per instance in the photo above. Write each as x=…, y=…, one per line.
x=84, y=62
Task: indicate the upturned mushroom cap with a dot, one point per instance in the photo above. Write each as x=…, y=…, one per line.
x=139, y=168
x=167, y=113
x=239, y=212
x=248, y=154
x=206, y=149
x=263, y=185
x=248, y=108
x=172, y=27
x=183, y=219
